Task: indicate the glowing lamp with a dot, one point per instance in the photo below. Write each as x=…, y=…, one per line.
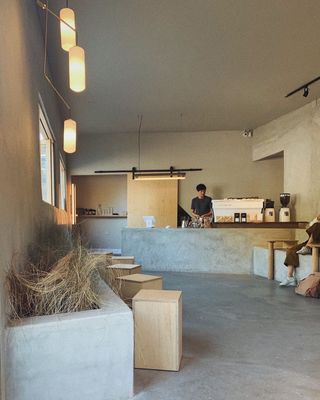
x=77, y=69
x=68, y=35
x=69, y=136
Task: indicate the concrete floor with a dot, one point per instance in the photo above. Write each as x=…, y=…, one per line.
x=243, y=338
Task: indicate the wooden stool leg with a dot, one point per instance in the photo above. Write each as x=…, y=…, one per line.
x=271, y=260
x=315, y=259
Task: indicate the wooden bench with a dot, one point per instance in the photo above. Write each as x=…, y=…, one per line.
x=315, y=256
x=271, y=247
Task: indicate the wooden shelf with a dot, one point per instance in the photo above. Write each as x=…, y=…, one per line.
x=101, y=216
x=272, y=225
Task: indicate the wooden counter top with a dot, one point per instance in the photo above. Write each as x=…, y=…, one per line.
x=273, y=225
x=101, y=216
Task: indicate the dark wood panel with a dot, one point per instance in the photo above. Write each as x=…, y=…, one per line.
x=273, y=225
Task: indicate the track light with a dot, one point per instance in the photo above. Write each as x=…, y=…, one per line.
x=305, y=91
x=304, y=87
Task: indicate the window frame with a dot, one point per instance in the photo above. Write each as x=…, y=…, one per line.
x=47, y=139
x=63, y=184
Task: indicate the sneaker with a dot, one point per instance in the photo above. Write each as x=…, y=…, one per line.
x=304, y=250
x=289, y=281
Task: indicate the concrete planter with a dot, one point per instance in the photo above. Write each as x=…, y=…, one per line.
x=84, y=355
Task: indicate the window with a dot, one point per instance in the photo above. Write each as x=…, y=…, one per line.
x=63, y=185
x=46, y=159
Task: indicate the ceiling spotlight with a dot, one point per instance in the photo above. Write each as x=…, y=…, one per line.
x=305, y=91
x=247, y=133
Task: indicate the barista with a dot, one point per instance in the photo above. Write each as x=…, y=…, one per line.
x=201, y=205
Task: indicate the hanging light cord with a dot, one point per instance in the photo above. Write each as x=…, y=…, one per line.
x=139, y=138
x=46, y=8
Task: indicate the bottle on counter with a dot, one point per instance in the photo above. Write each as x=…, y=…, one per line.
x=243, y=217
x=99, y=209
x=236, y=217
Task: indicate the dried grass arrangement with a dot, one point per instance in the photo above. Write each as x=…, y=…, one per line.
x=59, y=276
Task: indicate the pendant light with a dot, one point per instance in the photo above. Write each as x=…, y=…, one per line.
x=67, y=22
x=69, y=136
x=77, y=69
x=159, y=176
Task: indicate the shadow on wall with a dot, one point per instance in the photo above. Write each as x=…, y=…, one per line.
x=216, y=192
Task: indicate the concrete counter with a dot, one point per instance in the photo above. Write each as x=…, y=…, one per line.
x=198, y=250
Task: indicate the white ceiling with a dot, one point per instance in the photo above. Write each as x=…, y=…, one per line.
x=189, y=65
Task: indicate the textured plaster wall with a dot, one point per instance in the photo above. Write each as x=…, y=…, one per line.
x=297, y=134
x=226, y=159
x=21, y=79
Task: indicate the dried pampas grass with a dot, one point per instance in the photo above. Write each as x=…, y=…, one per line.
x=67, y=285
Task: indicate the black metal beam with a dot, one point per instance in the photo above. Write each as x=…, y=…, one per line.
x=303, y=86
x=169, y=170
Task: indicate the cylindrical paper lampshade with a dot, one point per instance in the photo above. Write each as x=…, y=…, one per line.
x=68, y=36
x=70, y=136
x=77, y=69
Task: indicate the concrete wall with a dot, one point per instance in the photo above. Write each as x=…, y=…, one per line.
x=82, y=355
x=297, y=134
x=21, y=79
x=226, y=159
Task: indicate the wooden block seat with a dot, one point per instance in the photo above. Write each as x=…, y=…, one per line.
x=104, y=259
x=98, y=252
x=271, y=247
x=122, y=259
x=109, y=273
x=125, y=269
x=315, y=256
x=158, y=329
x=131, y=284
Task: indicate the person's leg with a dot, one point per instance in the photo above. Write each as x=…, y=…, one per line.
x=291, y=262
x=290, y=271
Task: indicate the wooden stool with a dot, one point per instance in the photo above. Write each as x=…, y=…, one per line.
x=125, y=269
x=122, y=260
x=287, y=243
x=158, y=329
x=101, y=252
x=105, y=256
x=315, y=256
x=131, y=284
x=110, y=273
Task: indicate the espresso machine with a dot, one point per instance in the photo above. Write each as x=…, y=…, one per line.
x=284, y=213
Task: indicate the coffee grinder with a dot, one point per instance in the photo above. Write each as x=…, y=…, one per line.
x=284, y=213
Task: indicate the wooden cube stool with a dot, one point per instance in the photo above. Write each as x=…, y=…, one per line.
x=125, y=269
x=101, y=252
x=158, y=329
x=104, y=256
x=131, y=284
x=122, y=260
x=110, y=273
